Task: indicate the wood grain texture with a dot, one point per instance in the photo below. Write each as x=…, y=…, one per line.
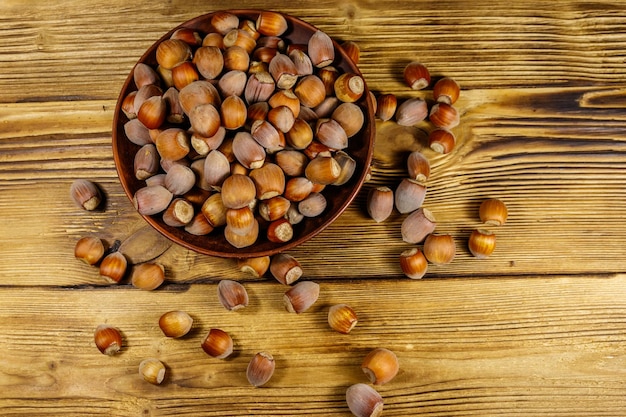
x=518, y=347
x=537, y=329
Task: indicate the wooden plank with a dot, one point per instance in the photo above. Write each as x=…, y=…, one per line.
x=563, y=186
x=483, y=45
x=515, y=346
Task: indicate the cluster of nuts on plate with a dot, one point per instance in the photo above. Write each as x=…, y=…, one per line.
x=243, y=124
x=418, y=227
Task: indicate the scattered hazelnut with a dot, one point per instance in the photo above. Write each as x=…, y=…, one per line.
x=89, y=249
x=85, y=194
x=482, y=243
x=217, y=344
x=108, y=339
x=493, y=212
x=380, y=366
x=342, y=318
x=364, y=401
x=175, y=323
x=260, y=369
x=152, y=370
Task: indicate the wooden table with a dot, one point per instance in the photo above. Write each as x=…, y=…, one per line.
x=537, y=329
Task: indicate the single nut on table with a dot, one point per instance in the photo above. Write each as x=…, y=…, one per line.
x=439, y=248
x=85, y=194
x=444, y=115
x=301, y=296
x=446, y=90
x=441, y=140
x=409, y=195
x=256, y=266
x=418, y=166
x=364, y=401
x=342, y=318
x=260, y=369
x=232, y=294
x=411, y=112
x=482, y=243
x=493, y=212
x=113, y=267
x=108, y=339
x=89, y=249
x=380, y=203
x=386, y=105
x=218, y=344
x=413, y=263
x=147, y=276
x=416, y=75
x=152, y=370
x=380, y=365
x=285, y=268
x=417, y=225
x=175, y=323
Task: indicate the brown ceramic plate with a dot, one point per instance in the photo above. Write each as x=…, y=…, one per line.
x=339, y=197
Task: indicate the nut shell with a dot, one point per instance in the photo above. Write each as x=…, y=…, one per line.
x=439, y=249
x=152, y=370
x=175, y=323
x=232, y=294
x=342, y=318
x=85, y=194
x=147, y=276
x=108, y=339
x=380, y=365
x=217, y=344
x=260, y=369
x=364, y=401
